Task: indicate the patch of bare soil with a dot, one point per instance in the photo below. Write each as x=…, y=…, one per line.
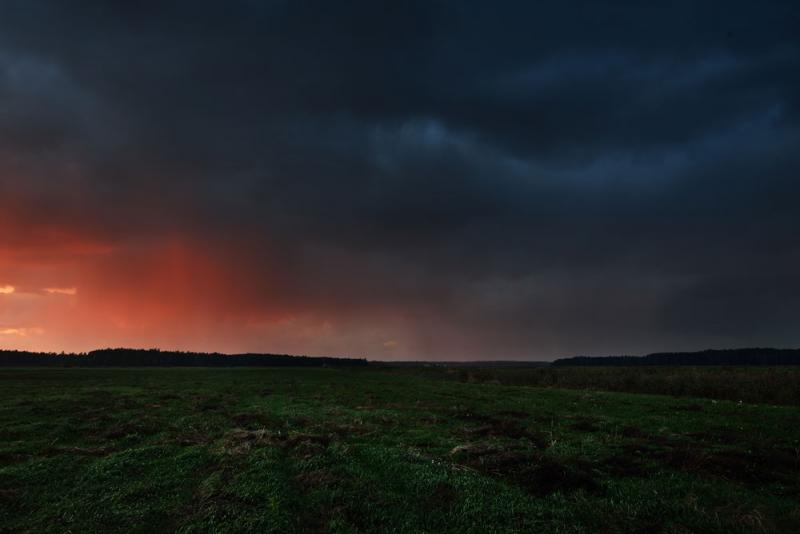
x=513, y=414
x=753, y=467
x=688, y=408
x=7, y=495
x=343, y=430
x=204, y=403
x=81, y=451
x=306, y=445
x=106, y=399
x=443, y=496
x=533, y=471
x=241, y=441
x=467, y=414
x=9, y=458
x=431, y=420
x=584, y=424
x=190, y=438
x=624, y=466
x=721, y=436
x=547, y=418
x=141, y=428
x=316, y=479
x=631, y=431
x=507, y=428
x=254, y=420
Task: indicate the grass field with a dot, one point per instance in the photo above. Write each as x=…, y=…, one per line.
x=768, y=385
x=260, y=450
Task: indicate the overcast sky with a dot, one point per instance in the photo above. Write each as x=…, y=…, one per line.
x=400, y=180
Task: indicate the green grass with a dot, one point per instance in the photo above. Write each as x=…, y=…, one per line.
x=768, y=385
x=282, y=450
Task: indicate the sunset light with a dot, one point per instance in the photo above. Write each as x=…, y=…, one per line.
x=61, y=291
x=418, y=266
x=21, y=332
x=441, y=205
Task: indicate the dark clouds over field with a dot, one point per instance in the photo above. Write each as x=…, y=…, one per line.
x=400, y=180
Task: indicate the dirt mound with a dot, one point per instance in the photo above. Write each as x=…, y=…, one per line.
x=315, y=479
x=141, y=428
x=506, y=428
x=253, y=420
x=754, y=467
x=584, y=424
x=241, y=441
x=8, y=494
x=443, y=496
x=536, y=473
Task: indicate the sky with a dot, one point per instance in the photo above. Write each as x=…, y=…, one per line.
x=432, y=180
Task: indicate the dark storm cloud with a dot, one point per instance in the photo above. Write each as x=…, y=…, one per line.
x=508, y=180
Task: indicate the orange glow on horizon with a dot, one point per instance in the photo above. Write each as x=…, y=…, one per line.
x=71, y=291
x=64, y=289
x=82, y=293
x=21, y=332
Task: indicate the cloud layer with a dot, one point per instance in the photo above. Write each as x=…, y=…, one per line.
x=424, y=180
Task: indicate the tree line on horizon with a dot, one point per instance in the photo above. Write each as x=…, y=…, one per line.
x=121, y=357
x=744, y=357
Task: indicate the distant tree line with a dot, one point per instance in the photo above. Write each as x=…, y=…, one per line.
x=159, y=358
x=749, y=356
